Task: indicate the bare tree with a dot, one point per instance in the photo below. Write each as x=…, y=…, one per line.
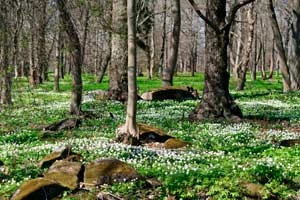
x=168, y=70
x=5, y=53
x=75, y=48
x=295, y=45
x=248, y=48
x=129, y=130
x=279, y=47
x=117, y=71
x=217, y=101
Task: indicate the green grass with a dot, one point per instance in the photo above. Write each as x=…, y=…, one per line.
x=223, y=155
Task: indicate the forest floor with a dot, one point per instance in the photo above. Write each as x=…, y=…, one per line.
x=223, y=162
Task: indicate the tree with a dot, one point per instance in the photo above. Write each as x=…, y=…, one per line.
x=129, y=130
x=5, y=53
x=117, y=69
x=75, y=49
x=168, y=70
x=242, y=71
x=295, y=45
x=217, y=101
x=279, y=47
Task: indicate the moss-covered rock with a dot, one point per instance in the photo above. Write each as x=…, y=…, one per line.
x=151, y=134
x=59, y=154
x=66, y=173
x=173, y=143
x=40, y=188
x=108, y=171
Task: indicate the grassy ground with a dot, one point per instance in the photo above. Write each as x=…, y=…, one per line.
x=223, y=158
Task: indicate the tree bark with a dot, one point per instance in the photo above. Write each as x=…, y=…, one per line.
x=130, y=125
x=118, y=67
x=42, y=60
x=295, y=46
x=279, y=47
x=164, y=35
x=217, y=101
x=75, y=50
x=6, y=47
x=168, y=71
x=248, y=48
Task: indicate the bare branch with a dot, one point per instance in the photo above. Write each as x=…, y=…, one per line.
x=205, y=19
x=233, y=11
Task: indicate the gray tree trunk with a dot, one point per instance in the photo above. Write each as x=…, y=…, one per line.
x=279, y=47
x=75, y=50
x=118, y=68
x=168, y=70
x=295, y=46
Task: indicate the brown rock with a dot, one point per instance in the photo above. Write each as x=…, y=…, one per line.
x=66, y=173
x=150, y=134
x=59, y=154
x=108, y=171
x=173, y=143
x=40, y=188
x=175, y=93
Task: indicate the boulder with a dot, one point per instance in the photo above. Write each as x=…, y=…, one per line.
x=59, y=154
x=66, y=173
x=289, y=143
x=175, y=93
x=149, y=134
x=39, y=188
x=173, y=143
x=66, y=124
x=108, y=171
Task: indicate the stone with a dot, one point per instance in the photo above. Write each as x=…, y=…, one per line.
x=107, y=196
x=149, y=134
x=66, y=124
x=175, y=93
x=108, y=171
x=173, y=143
x=289, y=143
x=66, y=173
x=58, y=154
x=39, y=188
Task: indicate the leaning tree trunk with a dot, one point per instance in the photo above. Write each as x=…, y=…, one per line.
x=217, y=101
x=117, y=70
x=168, y=70
x=295, y=46
x=279, y=47
x=248, y=48
x=75, y=50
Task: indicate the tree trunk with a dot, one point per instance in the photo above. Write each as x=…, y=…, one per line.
x=75, y=50
x=42, y=64
x=164, y=35
x=130, y=125
x=248, y=48
x=118, y=67
x=295, y=46
x=272, y=61
x=216, y=101
x=5, y=45
x=279, y=47
x=168, y=71
x=152, y=43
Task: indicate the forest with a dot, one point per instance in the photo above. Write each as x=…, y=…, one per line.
x=149, y=99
